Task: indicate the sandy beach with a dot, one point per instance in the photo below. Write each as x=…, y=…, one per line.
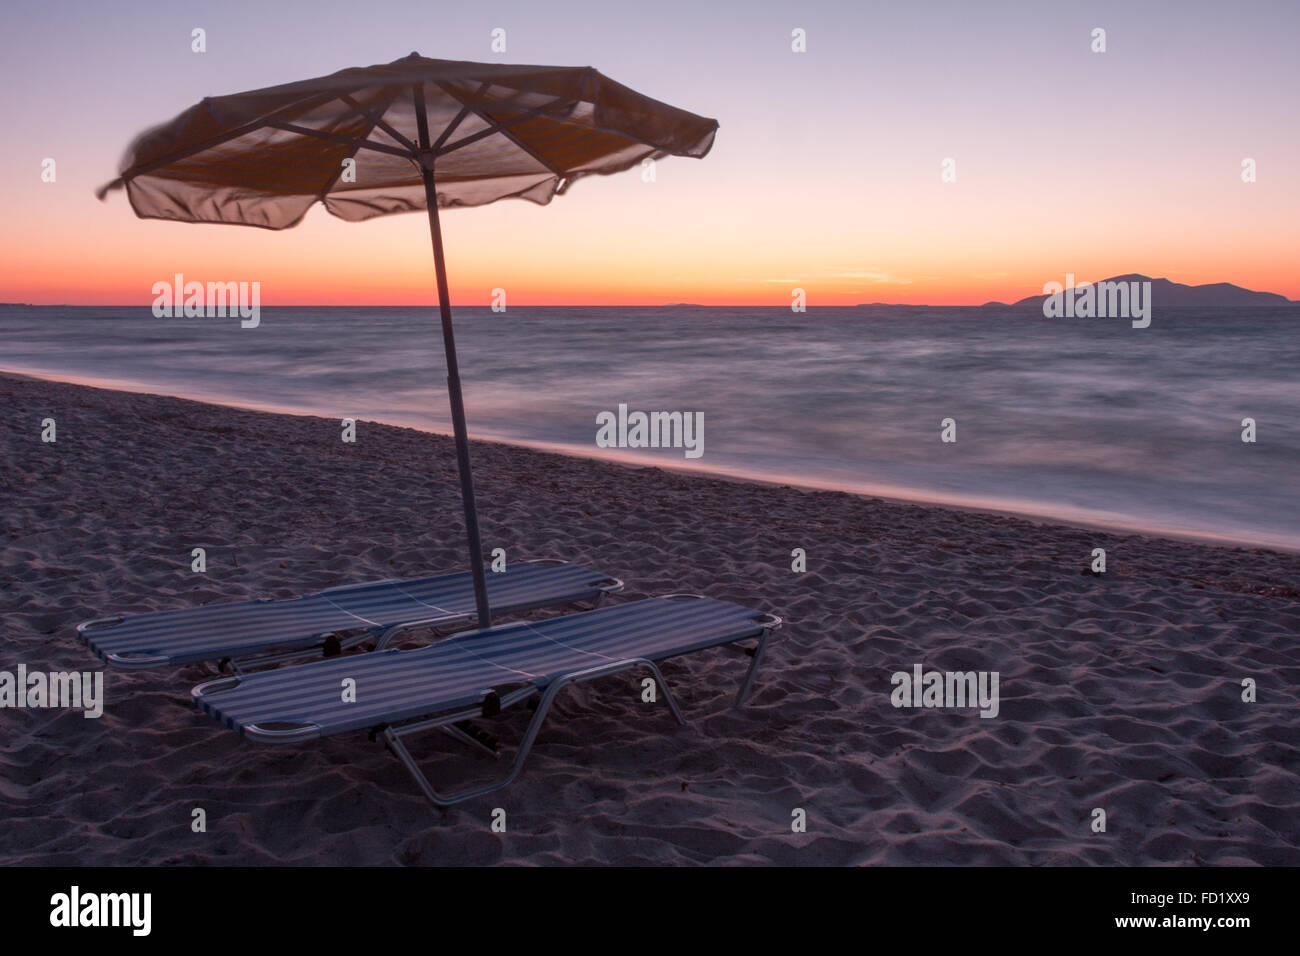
x=1121, y=691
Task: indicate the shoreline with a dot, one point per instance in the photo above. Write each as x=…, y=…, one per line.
x=889, y=494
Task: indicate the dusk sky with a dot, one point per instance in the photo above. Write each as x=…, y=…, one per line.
x=825, y=174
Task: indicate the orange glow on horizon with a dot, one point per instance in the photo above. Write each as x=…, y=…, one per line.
x=399, y=272
x=692, y=246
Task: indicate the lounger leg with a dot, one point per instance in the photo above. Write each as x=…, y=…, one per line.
x=594, y=603
x=396, y=746
x=614, y=586
x=393, y=736
x=451, y=730
x=753, y=669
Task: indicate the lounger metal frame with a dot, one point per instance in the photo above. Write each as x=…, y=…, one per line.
x=447, y=723
x=439, y=626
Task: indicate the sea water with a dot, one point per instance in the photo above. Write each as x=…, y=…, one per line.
x=1085, y=420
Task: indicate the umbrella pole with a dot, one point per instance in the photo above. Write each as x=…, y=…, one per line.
x=457, y=403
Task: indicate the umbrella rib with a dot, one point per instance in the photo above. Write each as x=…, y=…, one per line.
x=481, y=134
x=235, y=133
x=460, y=118
x=502, y=128
x=378, y=120
x=436, y=146
x=334, y=177
x=358, y=142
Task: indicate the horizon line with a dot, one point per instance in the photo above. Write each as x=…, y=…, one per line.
x=597, y=305
x=699, y=305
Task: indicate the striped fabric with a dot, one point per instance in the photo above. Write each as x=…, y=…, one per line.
x=252, y=627
x=395, y=685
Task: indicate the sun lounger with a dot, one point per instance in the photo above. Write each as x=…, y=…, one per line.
x=260, y=633
x=477, y=674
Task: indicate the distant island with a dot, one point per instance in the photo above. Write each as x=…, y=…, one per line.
x=1167, y=294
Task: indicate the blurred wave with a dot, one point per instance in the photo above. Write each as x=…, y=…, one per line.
x=1081, y=419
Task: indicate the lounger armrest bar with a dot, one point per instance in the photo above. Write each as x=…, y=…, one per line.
x=98, y=622
x=304, y=731
x=126, y=661
x=610, y=585
x=138, y=661
x=289, y=733
x=215, y=686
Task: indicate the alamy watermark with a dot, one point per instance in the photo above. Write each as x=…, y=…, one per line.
x=626, y=429
x=1102, y=300
x=953, y=689
x=179, y=298
x=76, y=909
x=66, y=689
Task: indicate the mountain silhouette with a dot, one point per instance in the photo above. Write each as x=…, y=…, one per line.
x=1166, y=294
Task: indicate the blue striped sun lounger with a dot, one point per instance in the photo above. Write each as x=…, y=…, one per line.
x=477, y=674
x=261, y=633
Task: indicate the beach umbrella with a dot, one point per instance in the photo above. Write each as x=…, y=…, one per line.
x=413, y=134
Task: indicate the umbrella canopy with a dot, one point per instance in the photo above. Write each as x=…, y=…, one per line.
x=413, y=134
x=263, y=158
